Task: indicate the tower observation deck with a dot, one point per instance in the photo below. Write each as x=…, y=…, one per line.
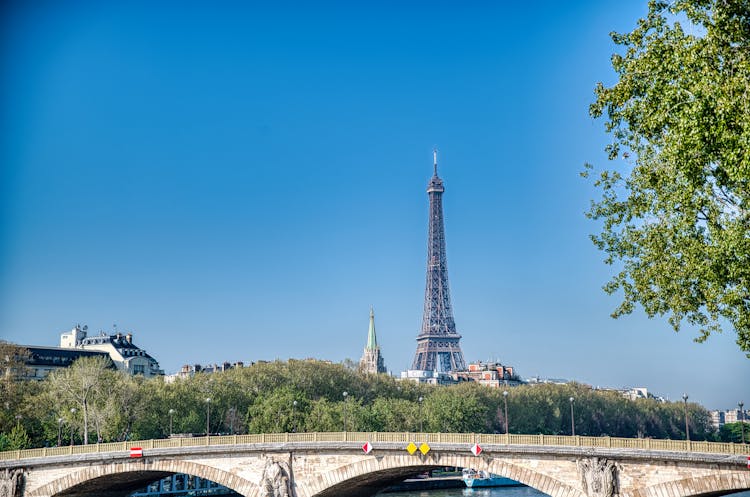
x=437, y=343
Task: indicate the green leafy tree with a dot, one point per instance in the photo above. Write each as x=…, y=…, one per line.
x=675, y=205
x=12, y=390
x=732, y=432
x=536, y=409
x=116, y=412
x=276, y=412
x=393, y=414
x=86, y=386
x=18, y=438
x=262, y=399
x=457, y=409
x=325, y=416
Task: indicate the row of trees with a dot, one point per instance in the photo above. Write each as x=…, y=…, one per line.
x=91, y=402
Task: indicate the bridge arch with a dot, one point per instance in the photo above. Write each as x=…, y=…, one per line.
x=100, y=477
x=716, y=484
x=383, y=471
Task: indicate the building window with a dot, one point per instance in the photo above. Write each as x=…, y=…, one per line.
x=139, y=369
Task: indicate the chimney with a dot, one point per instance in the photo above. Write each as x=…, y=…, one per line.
x=129, y=337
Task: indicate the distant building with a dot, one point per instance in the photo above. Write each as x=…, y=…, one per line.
x=635, y=393
x=537, y=380
x=717, y=419
x=126, y=356
x=372, y=360
x=734, y=415
x=428, y=376
x=720, y=418
x=189, y=370
x=491, y=374
x=41, y=361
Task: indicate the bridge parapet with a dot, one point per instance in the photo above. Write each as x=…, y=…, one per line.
x=558, y=466
x=403, y=437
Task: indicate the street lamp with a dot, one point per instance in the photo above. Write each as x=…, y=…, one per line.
x=171, y=413
x=294, y=423
x=742, y=420
x=72, y=413
x=572, y=418
x=345, y=394
x=687, y=426
x=59, y=431
x=505, y=399
x=420, y=413
x=208, y=415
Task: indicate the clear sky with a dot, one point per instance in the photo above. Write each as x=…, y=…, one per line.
x=241, y=181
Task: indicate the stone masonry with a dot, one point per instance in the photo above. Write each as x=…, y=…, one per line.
x=328, y=469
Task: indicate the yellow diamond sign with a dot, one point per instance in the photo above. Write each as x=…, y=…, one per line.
x=424, y=449
x=411, y=448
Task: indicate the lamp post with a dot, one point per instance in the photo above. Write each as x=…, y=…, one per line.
x=294, y=422
x=687, y=426
x=420, y=413
x=208, y=415
x=171, y=413
x=572, y=418
x=345, y=394
x=742, y=420
x=505, y=400
x=59, y=431
x=72, y=413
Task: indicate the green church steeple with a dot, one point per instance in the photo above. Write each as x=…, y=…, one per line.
x=372, y=360
x=372, y=341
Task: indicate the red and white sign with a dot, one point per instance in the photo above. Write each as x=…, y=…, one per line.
x=476, y=449
x=136, y=452
x=367, y=448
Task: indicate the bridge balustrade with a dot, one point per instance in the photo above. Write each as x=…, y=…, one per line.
x=403, y=437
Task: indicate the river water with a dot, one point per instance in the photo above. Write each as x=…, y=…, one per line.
x=489, y=492
x=518, y=491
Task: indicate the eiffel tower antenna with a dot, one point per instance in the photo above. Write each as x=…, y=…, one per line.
x=437, y=343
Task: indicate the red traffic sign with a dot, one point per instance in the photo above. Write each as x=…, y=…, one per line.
x=136, y=452
x=476, y=449
x=367, y=448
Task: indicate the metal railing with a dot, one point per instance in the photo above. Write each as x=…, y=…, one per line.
x=404, y=437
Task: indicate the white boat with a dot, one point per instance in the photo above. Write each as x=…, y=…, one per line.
x=477, y=479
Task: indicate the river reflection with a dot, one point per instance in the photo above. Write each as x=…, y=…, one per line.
x=516, y=491
x=489, y=492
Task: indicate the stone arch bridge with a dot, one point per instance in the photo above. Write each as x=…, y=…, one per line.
x=335, y=464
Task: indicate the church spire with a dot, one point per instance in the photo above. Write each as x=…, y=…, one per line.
x=372, y=360
x=372, y=341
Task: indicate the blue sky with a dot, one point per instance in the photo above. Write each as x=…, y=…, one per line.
x=241, y=181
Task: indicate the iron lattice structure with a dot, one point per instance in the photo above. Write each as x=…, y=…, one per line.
x=437, y=343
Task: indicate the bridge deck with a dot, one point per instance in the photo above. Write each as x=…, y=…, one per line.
x=404, y=437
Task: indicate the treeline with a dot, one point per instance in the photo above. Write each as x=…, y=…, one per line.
x=91, y=402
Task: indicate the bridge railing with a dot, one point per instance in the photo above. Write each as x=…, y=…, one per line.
x=403, y=437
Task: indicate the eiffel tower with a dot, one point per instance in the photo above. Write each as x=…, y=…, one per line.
x=437, y=343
